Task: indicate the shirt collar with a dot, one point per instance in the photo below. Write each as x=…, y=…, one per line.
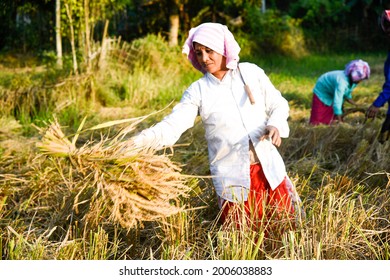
x=225, y=80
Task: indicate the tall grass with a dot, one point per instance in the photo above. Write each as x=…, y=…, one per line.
x=61, y=186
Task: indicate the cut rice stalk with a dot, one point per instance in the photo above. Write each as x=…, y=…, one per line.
x=134, y=184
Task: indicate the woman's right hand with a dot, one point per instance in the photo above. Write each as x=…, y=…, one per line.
x=272, y=133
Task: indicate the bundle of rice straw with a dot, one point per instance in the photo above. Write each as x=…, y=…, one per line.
x=137, y=184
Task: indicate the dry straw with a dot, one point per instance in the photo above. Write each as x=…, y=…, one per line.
x=132, y=184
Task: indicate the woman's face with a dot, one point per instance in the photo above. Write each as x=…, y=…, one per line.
x=210, y=60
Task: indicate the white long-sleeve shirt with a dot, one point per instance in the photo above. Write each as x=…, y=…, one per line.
x=230, y=121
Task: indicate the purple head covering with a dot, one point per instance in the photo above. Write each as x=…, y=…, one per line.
x=216, y=37
x=358, y=69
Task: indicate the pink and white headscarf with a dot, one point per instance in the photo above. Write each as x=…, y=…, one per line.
x=358, y=69
x=216, y=37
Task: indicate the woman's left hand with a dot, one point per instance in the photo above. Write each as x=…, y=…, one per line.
x=272, y=133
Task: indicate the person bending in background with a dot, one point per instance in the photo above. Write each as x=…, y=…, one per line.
x=333, y=88
x=242, y=134
x=383, y=96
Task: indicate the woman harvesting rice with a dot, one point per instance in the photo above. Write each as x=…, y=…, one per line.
x=333, y=88
x=242, y=128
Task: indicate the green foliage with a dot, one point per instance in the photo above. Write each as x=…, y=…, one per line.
x=273, y=33
x=25, y=25
x=318, y=13
x=340, y=25
x=299, y=25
